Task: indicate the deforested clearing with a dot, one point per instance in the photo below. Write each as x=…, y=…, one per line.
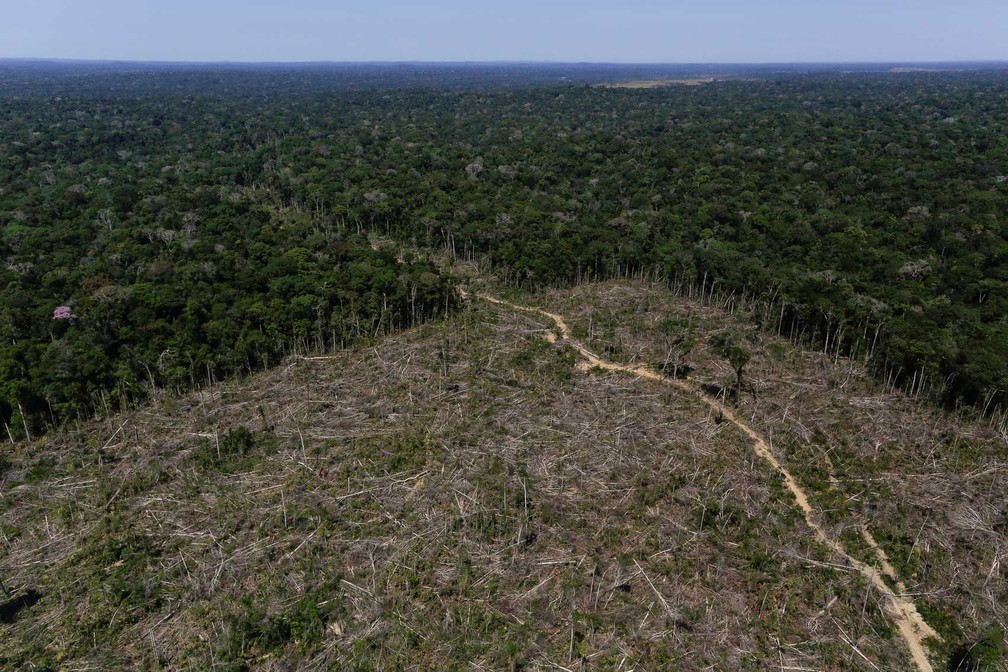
x=462, y=494
x=655, y=83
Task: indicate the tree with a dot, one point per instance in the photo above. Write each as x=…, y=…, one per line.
x=680, y=340
x=728, y=346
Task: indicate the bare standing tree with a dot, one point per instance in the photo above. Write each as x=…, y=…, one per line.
x=106, y=218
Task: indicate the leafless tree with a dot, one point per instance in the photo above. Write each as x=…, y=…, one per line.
x=106, y=219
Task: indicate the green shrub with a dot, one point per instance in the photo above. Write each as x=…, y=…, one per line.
x=238, y=443
x=255, y=629
x=40, y=471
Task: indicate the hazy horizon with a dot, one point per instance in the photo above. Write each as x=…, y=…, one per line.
x=516, y=61
x=451, y=31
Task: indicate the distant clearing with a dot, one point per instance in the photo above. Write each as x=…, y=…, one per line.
x=902, y=70
x=656, y=83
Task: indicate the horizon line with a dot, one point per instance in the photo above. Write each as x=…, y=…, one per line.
x=142, y=61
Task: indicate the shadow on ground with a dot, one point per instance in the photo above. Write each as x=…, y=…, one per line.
x=10, y=609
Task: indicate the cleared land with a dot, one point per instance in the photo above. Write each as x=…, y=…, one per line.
x=902, y=609
x=656, y=83
x=460, y=495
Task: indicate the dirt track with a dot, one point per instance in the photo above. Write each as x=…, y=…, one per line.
x=902, y=609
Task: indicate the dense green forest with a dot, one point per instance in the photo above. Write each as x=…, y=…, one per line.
x=165, y=226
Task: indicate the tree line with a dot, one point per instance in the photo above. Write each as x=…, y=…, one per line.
x=199, y=223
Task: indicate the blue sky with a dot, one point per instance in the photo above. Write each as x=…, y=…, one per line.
x=670, y=31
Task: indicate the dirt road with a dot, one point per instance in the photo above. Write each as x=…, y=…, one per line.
x=901, y=608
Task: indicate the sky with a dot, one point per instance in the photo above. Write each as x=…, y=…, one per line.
x=629, y=31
